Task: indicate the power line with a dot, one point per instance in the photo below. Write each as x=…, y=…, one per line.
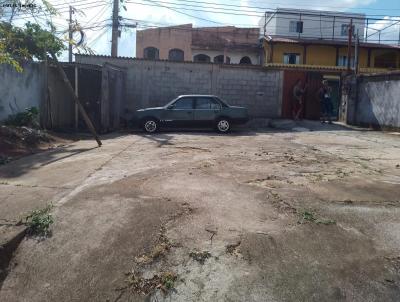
x=20, y=16
x=225, y=6
x=182, y=13
x=312, y=4
x=98, y=37
x=308, y=16
x=65, y=10
x=156, y=4
x=99, y=14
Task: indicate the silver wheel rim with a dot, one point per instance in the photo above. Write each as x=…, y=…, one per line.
x=223, y=125
x=150, y=126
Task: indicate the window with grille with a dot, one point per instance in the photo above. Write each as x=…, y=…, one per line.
x=176, y=55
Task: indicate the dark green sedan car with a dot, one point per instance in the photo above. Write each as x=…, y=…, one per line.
x=192, y=111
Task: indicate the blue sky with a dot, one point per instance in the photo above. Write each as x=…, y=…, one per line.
x=150, y=13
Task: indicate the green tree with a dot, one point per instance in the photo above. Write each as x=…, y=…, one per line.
x=31, y=42
x=28, y=43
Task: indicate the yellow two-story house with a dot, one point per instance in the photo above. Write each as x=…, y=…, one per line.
x=319, y=39
x=329, y=54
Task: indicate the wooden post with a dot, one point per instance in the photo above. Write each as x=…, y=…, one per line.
x=77, y=102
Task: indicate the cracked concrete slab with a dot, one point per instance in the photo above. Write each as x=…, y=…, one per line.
x=240, y=199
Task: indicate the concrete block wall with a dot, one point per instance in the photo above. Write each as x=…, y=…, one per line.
x=155, y=83
x=20, y=90
x=374, y=100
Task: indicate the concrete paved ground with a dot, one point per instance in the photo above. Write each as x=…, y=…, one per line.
x=282, y=215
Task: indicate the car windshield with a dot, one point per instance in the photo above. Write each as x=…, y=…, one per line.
x=222, y=101
x=170, y=103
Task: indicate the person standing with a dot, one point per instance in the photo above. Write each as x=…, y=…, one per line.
x=298, y=94
x=324, y=95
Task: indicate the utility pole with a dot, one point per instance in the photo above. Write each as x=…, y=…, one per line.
x=71, y=11
x=357, y=55
x=399, y=37
x=349, y=46
x=115, y=30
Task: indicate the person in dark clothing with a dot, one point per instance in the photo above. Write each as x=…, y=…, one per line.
x=298, y=93
x=324, y=96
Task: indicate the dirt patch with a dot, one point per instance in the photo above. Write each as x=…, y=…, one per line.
x=19, y=141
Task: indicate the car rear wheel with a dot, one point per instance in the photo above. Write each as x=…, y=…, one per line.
x=150, y=125
x=223, y=125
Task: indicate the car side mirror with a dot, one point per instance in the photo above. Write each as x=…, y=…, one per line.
x=170, y=107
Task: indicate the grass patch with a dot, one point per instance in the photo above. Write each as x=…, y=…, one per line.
x=168, y=280
x=310, y=216
x=39, y=221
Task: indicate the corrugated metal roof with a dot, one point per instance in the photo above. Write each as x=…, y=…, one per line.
x=303, y=66
x=324, y=68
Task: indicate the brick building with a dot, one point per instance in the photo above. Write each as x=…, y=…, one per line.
x=228, y=44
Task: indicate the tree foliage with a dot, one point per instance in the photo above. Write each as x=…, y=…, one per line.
x=30, y=42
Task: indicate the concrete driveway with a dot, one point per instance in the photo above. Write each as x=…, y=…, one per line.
x=272, y=215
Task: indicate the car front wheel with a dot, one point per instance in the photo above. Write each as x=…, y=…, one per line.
x=223, y=125
x=150, y=125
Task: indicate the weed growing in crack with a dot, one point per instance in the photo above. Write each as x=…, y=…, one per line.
x=39, y=221
x=310, y=216
x=144, y=286
x=158, y=251
x=168, y=280
x=200, y=257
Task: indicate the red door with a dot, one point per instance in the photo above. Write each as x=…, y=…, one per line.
x=290, y=78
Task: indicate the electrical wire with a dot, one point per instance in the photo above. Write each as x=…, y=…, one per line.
x=232, y=12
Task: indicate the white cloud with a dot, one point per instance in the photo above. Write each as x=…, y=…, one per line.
x=389, y=29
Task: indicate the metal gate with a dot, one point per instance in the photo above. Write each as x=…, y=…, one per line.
x=313, y=80
x=112, y=97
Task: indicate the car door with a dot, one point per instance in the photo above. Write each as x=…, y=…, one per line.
x=180, y=113
x=206, y=111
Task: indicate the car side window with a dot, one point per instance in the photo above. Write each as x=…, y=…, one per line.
x=207, y=104
x=184, y=103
